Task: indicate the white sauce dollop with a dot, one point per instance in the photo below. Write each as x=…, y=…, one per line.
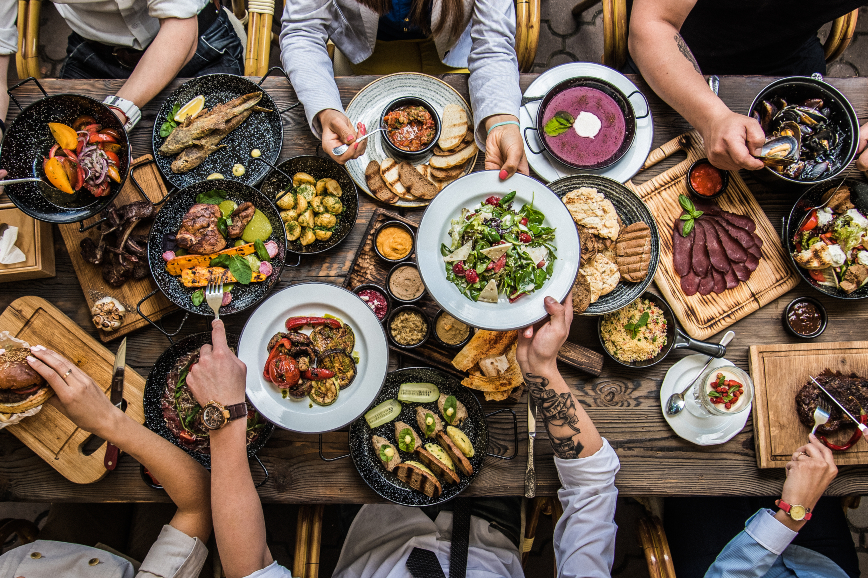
x=837, y=255
x=858, y=219
x=825, y=216
x=587, y=125
x=862, y=257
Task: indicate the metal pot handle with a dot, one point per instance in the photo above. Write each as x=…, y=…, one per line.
x=325, y=459
x=264, y=470
x=684, y=341
x=148, y=319
x=283, y=72
x=647, y=106
x=533, y=128
x=514, y=430
x=296, y=264
x=26, y=80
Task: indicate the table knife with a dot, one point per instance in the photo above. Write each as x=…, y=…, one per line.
x=862, y=427
x=530, y=473
x=117, y=399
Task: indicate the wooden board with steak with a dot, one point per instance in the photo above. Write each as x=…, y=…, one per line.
x=851, y=390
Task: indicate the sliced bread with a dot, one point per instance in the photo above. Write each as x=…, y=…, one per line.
x=377, y=185
x=454, y=127
x=390, y=171
x=419, y=479
x=415, y=183
x=453, y=160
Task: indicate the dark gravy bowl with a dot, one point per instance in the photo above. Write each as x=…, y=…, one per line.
x=675, y=338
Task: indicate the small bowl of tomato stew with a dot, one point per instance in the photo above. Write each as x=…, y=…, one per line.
x=376, y=298
x=706, y=181
x=412, y=127
x=805, y=317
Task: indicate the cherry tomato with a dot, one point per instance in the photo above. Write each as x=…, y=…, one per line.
x=112, y=157
x=817, y=275
x=811, y=223
x=283, y=371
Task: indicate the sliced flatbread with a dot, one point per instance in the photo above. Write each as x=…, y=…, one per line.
x=588, y=244
x=377, y=185
x=484, y=344
x=633, y=251
x=419, y=479
x=390, y=170
x=454, y=127
x=593, y=211
x=415, y=183
x=603, y=276
x=581, y=293
x=454, y=160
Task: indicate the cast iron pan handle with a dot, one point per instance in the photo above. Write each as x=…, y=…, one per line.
x=283, y=72
x=26, y=80
x=264, y=470
x=529, y=99
x=514, y=431
x=533, y=128
x=297, y=262
x=647, y=106
x=325, y=459
x=82, y=228
x=148, y=319
x=683, y=341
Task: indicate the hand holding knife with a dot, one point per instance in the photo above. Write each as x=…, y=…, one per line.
x=530, y=473
x=117, y=397
x=862, y=427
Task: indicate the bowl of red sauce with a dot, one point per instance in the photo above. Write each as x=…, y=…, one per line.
x=805, y=317
x=706, y=181
x=411, y=127
x=376, y=298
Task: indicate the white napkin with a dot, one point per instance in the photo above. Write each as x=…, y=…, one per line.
x=9, y=253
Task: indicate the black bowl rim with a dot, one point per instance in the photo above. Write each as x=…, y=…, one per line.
x=407, y=228
x=821, y=85
x=408, y=307
x=107, y=200
x=629, y=127
x=410, y=99
x=697, y=196
x=389, y=283
x=443, y=343
x=671, y=332
x=385, y=293
x=823, y=316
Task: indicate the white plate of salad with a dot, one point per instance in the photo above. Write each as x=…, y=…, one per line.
x=490, y=251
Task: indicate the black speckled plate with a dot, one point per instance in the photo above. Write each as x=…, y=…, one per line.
x=262, y=130
x=318, y=168
x=156, y=383
x=168, y=221
x=631, y=209
x=387, y=484
x=810, y=199
x=29, y=139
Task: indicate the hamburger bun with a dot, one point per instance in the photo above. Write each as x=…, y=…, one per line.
x=21, y=387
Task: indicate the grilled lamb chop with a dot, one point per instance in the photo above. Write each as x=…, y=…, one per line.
x=198, y=233
x=240, y=217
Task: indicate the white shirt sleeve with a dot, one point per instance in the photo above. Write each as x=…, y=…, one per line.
x=274, y=570
x=584, y=537
x=8, y=31
x=176, y=8
x=174, y=555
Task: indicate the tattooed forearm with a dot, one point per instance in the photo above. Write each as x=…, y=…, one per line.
x=559, y=414
x=682, y=47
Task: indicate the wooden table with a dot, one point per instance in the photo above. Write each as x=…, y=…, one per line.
x=623, y=403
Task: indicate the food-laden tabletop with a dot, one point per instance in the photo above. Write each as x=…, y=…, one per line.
x=624, y=403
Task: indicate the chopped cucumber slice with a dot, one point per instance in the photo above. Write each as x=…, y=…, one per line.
x=418, y=392
x=383, y=413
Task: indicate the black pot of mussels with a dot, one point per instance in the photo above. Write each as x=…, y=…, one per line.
x=811, y=129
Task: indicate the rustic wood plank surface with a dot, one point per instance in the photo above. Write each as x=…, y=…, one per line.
x=623, y=403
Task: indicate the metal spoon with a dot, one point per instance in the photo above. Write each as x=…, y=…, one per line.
x=676, y=400
x=338, y=151
x=24, y=180
x=287, y=191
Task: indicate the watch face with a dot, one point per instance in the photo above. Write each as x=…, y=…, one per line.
x=797, y=512
x=212, y=417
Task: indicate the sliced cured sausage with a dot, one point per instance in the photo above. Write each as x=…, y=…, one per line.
x=741, y=271
x=690, y=283
x=752, y=263
x=716, y=254
x=743, y=236
x=737, y=220
x=706, y=284
x=731, y=279
x=719, y=281
x=681, y=248
x=699, y=252
x=735, y=251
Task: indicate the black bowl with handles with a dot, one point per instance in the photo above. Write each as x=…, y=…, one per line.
x=811, y=198
x=391, y=147
x=168, y=221
x=797, y=89
x=623, y=102
x=29, y=139
x=675, y=338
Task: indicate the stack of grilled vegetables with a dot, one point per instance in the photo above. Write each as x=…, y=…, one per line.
x=310, y=209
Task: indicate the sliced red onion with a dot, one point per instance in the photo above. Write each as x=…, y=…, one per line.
x=265, y=268
x=168, y=255
x=272, y=248
x=227, y=298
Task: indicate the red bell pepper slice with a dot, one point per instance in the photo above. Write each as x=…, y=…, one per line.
x=318, y=374
x=863, y=419
x=294, y=323
x=811, y=223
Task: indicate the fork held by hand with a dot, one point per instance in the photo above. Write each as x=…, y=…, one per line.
x=214, y=295
x=821, y=414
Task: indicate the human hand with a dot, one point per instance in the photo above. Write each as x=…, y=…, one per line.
x=218, y=375
x=862, y=159
x=538, y=345
x=732, y=140
x=77, y=395
x=809, y=473
x=338, y=130
x=504, y=148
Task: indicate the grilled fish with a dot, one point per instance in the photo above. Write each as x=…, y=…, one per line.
x=193, y=156
x=205, y=123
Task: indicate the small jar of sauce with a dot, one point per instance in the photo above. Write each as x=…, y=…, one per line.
x=705, y=181
x=376, y=298
x=805, y=317
x=394, y=241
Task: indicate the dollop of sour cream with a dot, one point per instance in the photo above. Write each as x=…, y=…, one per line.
x=587, y=124
x=837, y=255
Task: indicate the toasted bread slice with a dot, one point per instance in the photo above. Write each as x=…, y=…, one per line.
x=454, y=127
x=439, y=468
x=460, y=411
x=468, y=136
x=484, y=344
x=424, y=170
x=454, y=160
x=419, y=479
x=458, y=458
x=447, y=174
x=421, y=415
x=415, y=183
x=390, y=463
x=377, y=185
x=390, y=171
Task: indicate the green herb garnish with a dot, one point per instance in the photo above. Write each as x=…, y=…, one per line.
x=559, y=123
x=237, y=265
x=213, y=197
x=383, y=455
x=429, y=428
x=450, y=403
x=197, y=297
x=633, y=328
x=261, y=251
x=406, y=446
x=167, y=127
x=690, y=216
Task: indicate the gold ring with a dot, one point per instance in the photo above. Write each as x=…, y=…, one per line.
x=65, y=375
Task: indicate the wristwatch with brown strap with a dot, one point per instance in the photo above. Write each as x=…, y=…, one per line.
x=794, y=511
x=215, y=415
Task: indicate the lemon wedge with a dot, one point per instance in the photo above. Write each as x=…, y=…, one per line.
x=192, y=108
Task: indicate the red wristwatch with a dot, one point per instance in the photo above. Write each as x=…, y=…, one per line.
x=795, y=511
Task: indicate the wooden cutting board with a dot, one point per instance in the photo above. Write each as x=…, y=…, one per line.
x=702, y=316
x=50, y=433
x=90, y=276
x=779, y=371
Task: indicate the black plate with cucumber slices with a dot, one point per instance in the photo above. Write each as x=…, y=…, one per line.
x=387, y=484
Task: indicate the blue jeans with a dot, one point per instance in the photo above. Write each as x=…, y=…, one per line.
x=219, y=51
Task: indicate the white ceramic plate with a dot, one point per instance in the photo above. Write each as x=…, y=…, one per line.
x=550, y=169
x=709, y=431
x=314, y=300
x=470, y=191
x=368, y=105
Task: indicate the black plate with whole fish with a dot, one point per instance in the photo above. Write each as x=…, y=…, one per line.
x=252, y=122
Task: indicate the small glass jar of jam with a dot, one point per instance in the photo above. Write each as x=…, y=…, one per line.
x=805, y=317
x=706, y=181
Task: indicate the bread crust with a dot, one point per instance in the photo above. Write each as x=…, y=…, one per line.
x=38, y=398
x=15, y=372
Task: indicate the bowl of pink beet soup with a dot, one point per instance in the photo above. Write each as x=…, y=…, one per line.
x=597, y=123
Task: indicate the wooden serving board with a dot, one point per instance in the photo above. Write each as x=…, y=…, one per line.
x=90, y=276
x=367, y=267
x=35, y=241
x=779, y=371
x=702, y=316
x=49, y=433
